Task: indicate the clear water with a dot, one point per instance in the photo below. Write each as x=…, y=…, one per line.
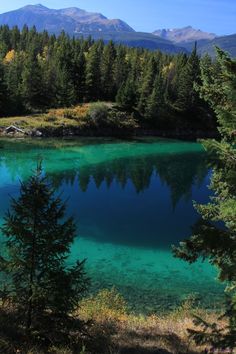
x=131, y=200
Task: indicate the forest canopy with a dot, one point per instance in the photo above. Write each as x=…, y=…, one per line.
x=39, y=71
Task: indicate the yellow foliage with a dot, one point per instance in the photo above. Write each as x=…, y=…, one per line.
x=168, y=68
x=106, y=306
x=10, y=56
x=71, y=113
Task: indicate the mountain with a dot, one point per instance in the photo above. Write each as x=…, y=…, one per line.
x=138, y=40
x=71, y=20
x=184, y=35
x=79, y=22
x=187, y=37
x=227, y=43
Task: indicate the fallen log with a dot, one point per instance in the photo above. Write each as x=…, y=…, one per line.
x=14, y=129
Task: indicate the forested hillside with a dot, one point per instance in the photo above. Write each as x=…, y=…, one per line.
x=39, y=71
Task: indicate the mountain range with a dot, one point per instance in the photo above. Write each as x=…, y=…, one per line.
x=184, y=35
x=78, y=22
x=71, y=20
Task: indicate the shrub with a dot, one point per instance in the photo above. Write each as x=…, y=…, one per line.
x=122, y=120
x=105, y=306
x=98, y=114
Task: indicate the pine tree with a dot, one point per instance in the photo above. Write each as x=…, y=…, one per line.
x=107, y=71
x=126, y=96
x=147, y=84
x=210, y=240
x=79, y=76
x=156, y=102
x=120, y=67
x=3, y=91
x=31, y=87
x=93, y=73
x=38, y=240
x=188, y=98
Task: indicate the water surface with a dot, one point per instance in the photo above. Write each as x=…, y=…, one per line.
x=131, y=201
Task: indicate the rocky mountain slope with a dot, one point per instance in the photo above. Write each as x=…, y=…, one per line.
x=71, y=20
x=184, y=35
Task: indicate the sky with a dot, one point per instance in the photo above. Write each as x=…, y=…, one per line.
x=216, y=16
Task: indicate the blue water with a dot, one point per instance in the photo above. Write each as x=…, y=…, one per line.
x=131, y=201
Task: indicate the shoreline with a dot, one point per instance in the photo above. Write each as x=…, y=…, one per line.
x=73, y=132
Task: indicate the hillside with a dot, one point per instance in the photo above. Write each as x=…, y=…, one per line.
x=137, y=39
x=227, y=43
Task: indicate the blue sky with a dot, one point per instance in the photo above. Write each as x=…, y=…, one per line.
x=217, y=16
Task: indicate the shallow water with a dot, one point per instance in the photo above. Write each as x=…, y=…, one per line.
x=131, y=200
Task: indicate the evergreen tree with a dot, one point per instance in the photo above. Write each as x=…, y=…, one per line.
x=79, y=76
x=31, y=84
x=120, y=67
x=3, y=91
x=126, y=96
x=93, y=75
x=107, y=71
x=156, y=102
x=187, y=97
x=41, y=284
x=210, y=240
x=65, y=90
x=13, y=73
x=147, y=84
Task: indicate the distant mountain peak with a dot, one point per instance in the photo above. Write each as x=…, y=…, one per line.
x=36, y=6
x=72, y=20
x=184, y=35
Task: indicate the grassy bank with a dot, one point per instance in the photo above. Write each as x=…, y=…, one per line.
x=72, y=121
x=95, y=119
x=109, y=327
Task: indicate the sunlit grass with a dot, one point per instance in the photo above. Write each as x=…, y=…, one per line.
x=75, y=116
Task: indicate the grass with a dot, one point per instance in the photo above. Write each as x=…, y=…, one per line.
x=88, y=116
x=130, y=333
x=75, y=116
x=110, y=328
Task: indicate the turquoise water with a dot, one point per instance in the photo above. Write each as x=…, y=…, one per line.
x=131, y=201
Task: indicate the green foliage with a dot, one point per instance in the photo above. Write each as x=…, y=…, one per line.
x=126, y=97
x=39, y=72
x=156, y=102
x=39, y=282
x=214, y=237
x=98, y=113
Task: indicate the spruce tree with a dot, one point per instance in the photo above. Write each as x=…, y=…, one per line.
x=126, y=96
x=155, y=102
x=211, y=240
x=31, y=88
x=107, y=71
x=79, y=76
x=188, y=98
x=3, y=91
x=147, y=84
x=93, y=73
x=41, y=284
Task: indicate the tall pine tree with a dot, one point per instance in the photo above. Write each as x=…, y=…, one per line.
x=212, y=240
x=38, y=240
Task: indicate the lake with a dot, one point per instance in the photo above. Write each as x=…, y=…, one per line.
x=131, y=201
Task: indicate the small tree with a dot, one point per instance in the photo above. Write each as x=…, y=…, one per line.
x=40, y=282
